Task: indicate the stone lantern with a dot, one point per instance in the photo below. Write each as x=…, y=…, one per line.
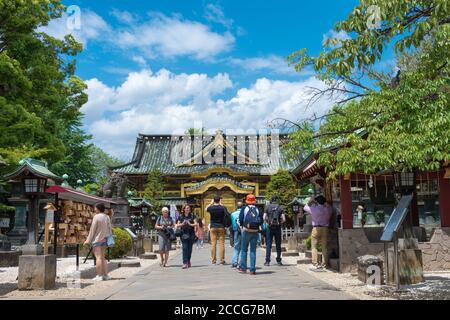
x=29, y=182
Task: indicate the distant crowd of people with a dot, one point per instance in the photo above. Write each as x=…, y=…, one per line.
x=248, y=228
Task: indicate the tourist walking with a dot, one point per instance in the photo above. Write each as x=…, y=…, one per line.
x=274, y=217
x=164, y=226
x=98, y=236
x=186, y=223
x=321, y=213
x=199, y=233
x=218, y=214
x=236, y=235
x=250, y=221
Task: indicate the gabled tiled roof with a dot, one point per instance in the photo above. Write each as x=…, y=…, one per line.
x=37, y=167
x=154, y=152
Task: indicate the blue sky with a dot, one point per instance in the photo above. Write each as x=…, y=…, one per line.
x=162, y=66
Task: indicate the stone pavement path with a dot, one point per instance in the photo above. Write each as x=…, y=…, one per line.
x=205, y=281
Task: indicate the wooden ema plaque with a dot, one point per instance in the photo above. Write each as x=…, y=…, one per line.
x=77, y=219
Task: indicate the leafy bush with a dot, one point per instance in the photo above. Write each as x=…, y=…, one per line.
x=308, y=244
x=123, y=243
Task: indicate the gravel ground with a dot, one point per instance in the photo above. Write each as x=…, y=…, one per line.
x=344, y=281
x=435, y=287
x=66, y=287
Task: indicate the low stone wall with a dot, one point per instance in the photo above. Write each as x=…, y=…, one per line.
x=355, y=242
x=436, y=252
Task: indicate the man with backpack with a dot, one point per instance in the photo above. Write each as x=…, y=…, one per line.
x=274, y=217
x=250, y=221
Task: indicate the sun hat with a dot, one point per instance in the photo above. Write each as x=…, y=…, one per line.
x=250, y=199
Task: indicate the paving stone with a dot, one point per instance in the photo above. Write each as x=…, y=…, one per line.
x=129, y=264
x=150, y=256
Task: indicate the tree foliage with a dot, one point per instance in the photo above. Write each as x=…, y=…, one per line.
x=40, y=95
x=283, y=186
x=154, y=189
x=383, y=122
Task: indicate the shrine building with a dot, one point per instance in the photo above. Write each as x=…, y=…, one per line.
x=195, y=168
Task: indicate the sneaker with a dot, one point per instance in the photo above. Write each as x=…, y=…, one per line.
x=98, y=278
x=234, y=266
x=185, y=266
x=253, y=273
x=279, y=263
x=313, y=268
x=266, y=264
x=222, y=263
x=189, y=264
x=242, y=270
x=213, y=262
x=105, y=278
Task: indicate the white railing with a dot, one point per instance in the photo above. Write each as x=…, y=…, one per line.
x=153, y=234
x=287, y=233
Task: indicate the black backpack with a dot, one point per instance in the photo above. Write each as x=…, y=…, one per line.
x=227, y=219
x=274, y=215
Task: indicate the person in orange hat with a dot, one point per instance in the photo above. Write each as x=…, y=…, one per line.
x=250, y=221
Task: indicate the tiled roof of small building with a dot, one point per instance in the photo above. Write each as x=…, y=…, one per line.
x=154, y=152
x=37, y=167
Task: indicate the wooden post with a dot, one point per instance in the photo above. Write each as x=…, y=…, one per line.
x=444, y=197
x=49, y=219
x=346, y=203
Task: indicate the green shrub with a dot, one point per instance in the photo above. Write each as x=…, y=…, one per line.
x=123, y=243
x=308, y=244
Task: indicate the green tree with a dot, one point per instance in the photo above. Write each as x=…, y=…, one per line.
x=154, y=189
x=283, y=186
x=399, y=122
x=40, y=96
x=101, y=163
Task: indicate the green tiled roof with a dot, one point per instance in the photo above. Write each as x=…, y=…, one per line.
x=154, y=152
x=37, y=167
x=139, y=202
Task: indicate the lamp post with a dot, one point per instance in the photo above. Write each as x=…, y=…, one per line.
x=33, y=187
x=296, y=209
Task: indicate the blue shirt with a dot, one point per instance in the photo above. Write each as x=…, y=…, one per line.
x=234, y=219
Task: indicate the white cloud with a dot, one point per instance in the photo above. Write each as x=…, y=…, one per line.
x=140, y=60
x=158, y=36
x=214, y=13
x=164, y=102
x=92, y=27
x=333, y=34
x=272, y=64
x=123, y=16
x=174, y=36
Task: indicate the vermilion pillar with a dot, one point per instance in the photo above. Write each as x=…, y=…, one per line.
x=444, y=199
x=346, y=203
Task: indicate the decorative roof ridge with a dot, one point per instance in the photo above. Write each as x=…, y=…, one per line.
x=218, y=178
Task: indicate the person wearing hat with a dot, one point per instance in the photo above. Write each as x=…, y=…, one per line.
x=250, y=221
x=321, y=213
x=164, y=223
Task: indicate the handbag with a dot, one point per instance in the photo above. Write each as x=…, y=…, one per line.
x=172, y=235
x=110, y=241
